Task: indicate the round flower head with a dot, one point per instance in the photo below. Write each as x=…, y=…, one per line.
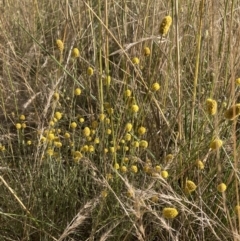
x=116, y=166
x=143, y=144
x=169, y=157
x=134, y=108
x=134, y=169
x=60, y=45
x=222, y=187
x=135, y=60
x=216, y=144
x=56, y=96
x=73, y=125
x=127, y=137
x=67, y=135
x=128, y=127
x=200, y=164
x=86, y=131
x=58, y=115
x=155, y=86
x=75, y=53
x=123, y=169
x=211, y=106
x=158, y=168
x=164, y=174
x=237, y=81
x=170, y=213
x=165, y=25
x=77, y=91
x=128, y=93
x=22, y=117
x=237, y=210
x=18, y=126
x=146, y=51
x=141, y=130
x=190, y=186
x=101, y=117
x=90, y=71
x=232, y=112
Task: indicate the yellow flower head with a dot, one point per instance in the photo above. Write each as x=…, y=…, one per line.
x=232, y=112
x=128, y=93
x=127, y=137
x=29, y=143
x=123, y=169
x=135, y=60
x=116, y=166
x=67, y=135
x=56, y=96
x=211, y=106
x=200, y=164
x=237, y=210
x=58, y=115
x=86, y=131
x=169, y=157
x=90, y=71
x=135, y=144
x=146, y=51
x=170, y=213
x=222, y=187
x=134, y=108
x=141, y=130
x=128, y=127
x=216, y=144
x=158, y=168
x=73, y=125
x=22, y=117
x=77, y=91
x=164, y=174
x=143, y=144
x=18, y=126
x=101, y=117
x=155, y=86
x=134, y=169
x=165, y=25
x=75, y=53
x=237, y=81
x=60, y=45
x=190, y=186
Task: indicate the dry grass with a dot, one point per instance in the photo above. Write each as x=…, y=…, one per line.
x=66, y=183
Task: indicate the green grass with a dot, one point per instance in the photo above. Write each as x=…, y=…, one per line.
x=95, y=179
